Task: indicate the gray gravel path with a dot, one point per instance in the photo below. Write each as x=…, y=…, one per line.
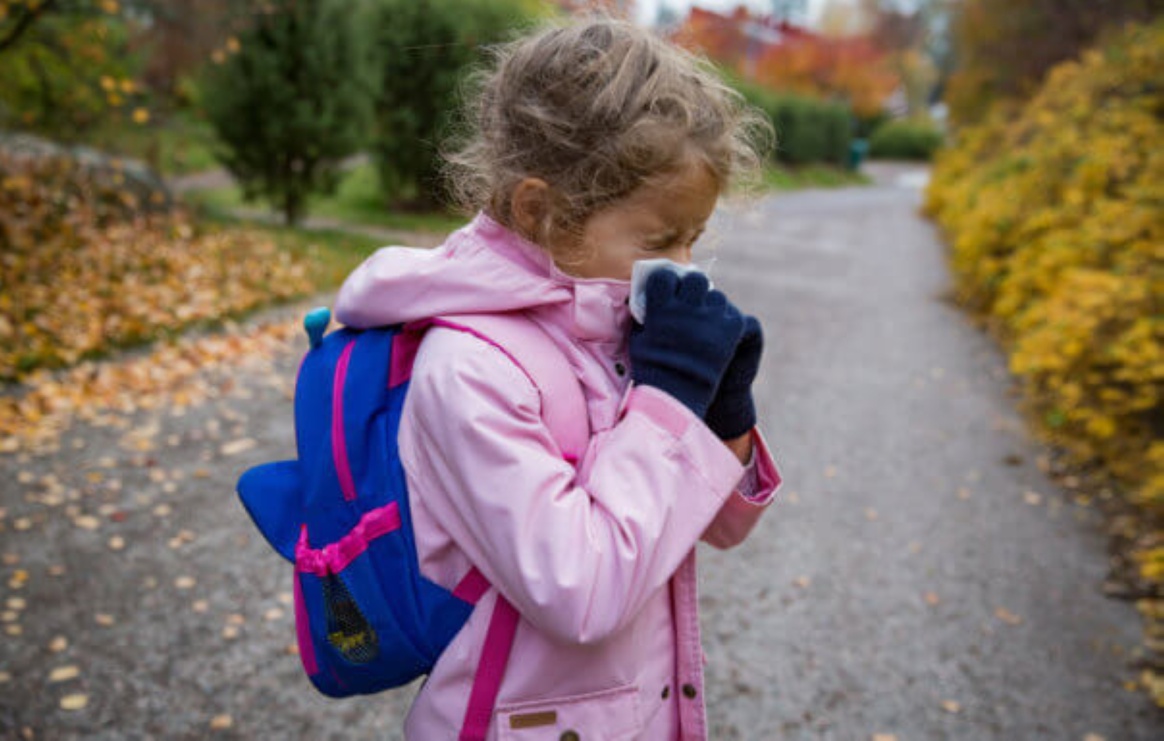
x=921, y=577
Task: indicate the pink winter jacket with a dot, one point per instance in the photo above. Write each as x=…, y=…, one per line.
x=598, y=559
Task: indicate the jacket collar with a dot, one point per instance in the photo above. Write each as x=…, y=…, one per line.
x=596, y=309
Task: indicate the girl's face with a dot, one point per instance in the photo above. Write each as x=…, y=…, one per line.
x=662, y=218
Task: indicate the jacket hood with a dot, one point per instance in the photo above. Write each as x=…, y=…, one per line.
x=481, y=268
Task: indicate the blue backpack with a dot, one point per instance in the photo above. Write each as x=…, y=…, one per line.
x=366, y=619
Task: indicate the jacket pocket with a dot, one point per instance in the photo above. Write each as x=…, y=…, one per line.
x=609, y=715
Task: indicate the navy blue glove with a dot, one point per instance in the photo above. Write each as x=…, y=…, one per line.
x=733, y=411
x=689, y=337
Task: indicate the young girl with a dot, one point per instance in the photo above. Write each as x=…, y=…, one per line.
x=596, y=145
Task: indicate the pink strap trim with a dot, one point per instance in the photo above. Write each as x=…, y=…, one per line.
x=472, y=587
x=404, y=347
x=528, y=347
x=491, y=670
x=336, y=557
x=303, y=632
x=339, y=447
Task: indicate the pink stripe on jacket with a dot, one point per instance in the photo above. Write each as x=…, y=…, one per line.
x=599, y=559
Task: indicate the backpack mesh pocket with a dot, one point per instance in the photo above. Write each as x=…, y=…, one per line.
x=348, y=631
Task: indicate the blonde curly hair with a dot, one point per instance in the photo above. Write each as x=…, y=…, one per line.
x=596, y=109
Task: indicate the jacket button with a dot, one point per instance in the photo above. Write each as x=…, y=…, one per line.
x=620, y=369
x=570, y=736
x=689, y=691
x=666, y=691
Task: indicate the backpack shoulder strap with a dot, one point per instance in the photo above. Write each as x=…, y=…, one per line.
x=534, y=351
x=565, y=413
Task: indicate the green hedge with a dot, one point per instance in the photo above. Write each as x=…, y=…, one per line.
x=808, y=130
x=905, y=140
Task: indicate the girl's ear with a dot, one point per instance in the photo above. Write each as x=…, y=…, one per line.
x=530, y=207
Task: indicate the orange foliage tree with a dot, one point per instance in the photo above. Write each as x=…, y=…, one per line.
x=852, y=69
x=720, y=38
x=618, y=8
x=784, y=57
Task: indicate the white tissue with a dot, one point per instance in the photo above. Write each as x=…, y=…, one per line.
x=638, y=288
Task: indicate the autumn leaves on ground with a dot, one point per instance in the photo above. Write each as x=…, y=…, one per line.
x=105, y=273
x=129, y=326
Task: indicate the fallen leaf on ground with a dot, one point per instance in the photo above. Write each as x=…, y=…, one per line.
x=221, y=723
x=185, y=582
x=951, y=706
x=1007, y=616
x=64, y=673
x=1032, y=498
x=801, y=581
x=87, y=522
x=932, y=599
x=58, y=644
x=237, y=446
x=74, y=702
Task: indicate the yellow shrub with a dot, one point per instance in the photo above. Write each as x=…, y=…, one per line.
x=1056, y=218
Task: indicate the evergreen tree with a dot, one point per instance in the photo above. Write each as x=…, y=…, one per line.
x=291, y=100
x=424, y=47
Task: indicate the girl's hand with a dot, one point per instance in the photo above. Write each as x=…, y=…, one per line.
x=690, y=336
x=732, y=412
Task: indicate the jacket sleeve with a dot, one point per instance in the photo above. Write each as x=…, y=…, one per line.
x=742, y=510
x=578, y=560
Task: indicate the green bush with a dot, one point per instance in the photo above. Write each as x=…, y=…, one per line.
x=905, y=140
x=423, y=50
x=808, y=130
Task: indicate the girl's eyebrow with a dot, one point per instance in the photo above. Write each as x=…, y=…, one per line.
x=663, y=235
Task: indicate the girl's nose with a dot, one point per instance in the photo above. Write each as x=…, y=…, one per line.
x=682, y=255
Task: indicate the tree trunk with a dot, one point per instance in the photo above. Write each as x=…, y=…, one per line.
x=292, y=207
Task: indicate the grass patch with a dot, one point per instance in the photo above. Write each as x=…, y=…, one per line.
x=357, y=200
x=180, y=144
x=781, y=177
x=331, y=253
